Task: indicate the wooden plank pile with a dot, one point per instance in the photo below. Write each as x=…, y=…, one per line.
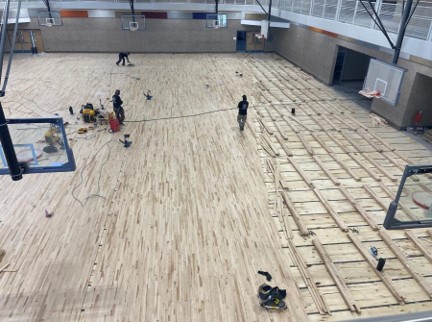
x=428, y=136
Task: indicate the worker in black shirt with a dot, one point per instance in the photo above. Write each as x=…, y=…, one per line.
x=242, y=114
x=122, y=57
x=117, y=106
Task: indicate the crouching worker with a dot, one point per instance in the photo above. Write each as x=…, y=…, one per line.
x=117, y=106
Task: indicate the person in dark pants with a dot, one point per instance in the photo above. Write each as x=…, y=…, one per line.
x=122, y=57
x=242, y=114
x=117, y=106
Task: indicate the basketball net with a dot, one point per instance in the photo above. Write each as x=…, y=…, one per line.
x=49, y=22
x=370, y=94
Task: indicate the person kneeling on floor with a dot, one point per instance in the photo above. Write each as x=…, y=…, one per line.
x=117, y=107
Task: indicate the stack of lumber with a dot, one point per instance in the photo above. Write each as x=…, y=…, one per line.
x=428, y=136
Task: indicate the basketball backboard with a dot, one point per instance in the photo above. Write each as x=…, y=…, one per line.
x=215, y=21
x=40, y=145
x=49, y=18
x=383, y=80
x=264, y=28
x=133, y=22
x=412, y=206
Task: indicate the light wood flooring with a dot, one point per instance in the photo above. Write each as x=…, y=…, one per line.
x=175, y=227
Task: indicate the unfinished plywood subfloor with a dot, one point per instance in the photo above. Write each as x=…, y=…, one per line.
x=330, y=180
x=175, y=227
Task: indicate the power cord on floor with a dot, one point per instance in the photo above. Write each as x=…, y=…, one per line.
x=181, y=116
x=96, y=194
x=109, y=152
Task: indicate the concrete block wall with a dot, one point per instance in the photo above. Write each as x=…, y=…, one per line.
x=421, y=99
x=162, y=35
x=312, y=51
x=413, y=92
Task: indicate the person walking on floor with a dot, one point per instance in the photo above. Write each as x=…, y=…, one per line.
x=117, y=106
x=242, y=114
x=122, y=57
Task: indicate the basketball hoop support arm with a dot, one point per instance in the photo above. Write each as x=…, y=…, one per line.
x=5, y=138
x=261, y=6
x=8, y=149
x=268, y=15
x=406, y=17
x=131, y=3
x=269, y=19
x=47, y=4
x=403, y=25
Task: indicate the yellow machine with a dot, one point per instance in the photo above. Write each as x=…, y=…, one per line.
x=89, y=115
x=51, y=136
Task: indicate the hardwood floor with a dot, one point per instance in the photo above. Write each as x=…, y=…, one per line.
x=175, y=227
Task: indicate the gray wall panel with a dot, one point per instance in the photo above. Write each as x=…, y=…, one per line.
x=316, y=53
x=164, y=35
x=312, y=51
x=421, y=99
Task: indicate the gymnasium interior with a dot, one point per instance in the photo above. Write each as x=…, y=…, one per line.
x=320, y=209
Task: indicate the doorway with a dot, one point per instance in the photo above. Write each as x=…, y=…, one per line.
x=340, y=59
x=349, y=74
x=241, y=41
x=350, y=66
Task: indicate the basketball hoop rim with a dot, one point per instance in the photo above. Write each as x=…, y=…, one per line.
x=419, y=202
